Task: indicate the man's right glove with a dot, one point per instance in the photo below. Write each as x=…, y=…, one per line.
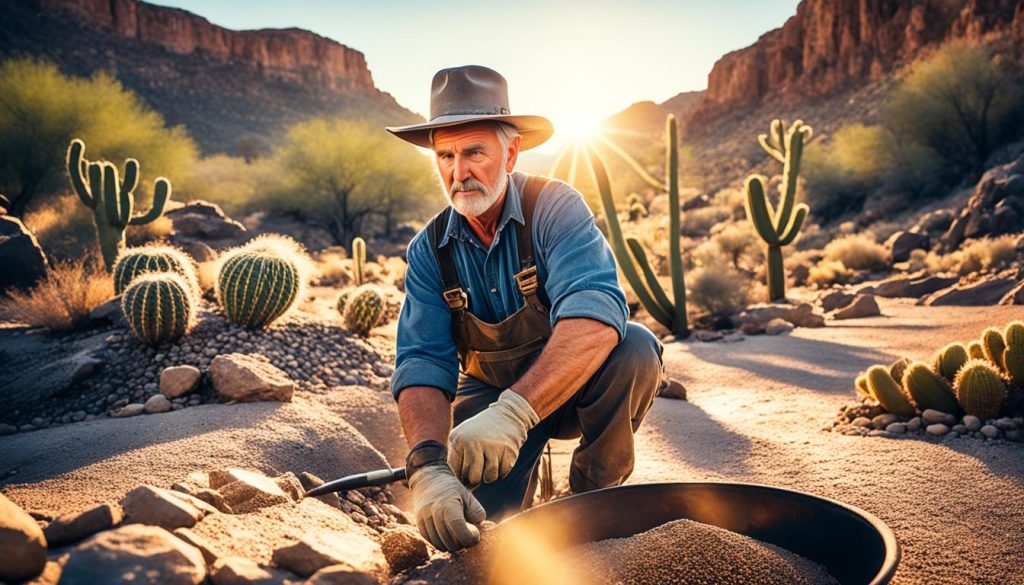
x=445, y=510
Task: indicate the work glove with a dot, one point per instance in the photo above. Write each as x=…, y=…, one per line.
x=484, y=447
x=445, y=510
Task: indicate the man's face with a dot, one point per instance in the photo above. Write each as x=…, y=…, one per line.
x=473, y=166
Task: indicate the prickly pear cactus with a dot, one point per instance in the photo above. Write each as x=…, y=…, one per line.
x=261, y=281
x=980, y=389
x=928, y=389
x=976, y=350
x=887, y=391
x=363, y=310
x=1013, y=355
x=861, y=385
x=949, y=360
x=159, y=307
x=133, y=262
x=994, y=345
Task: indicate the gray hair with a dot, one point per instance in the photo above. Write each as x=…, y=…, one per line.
x=505, y=131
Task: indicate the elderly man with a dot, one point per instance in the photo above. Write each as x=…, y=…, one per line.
x=513, y=282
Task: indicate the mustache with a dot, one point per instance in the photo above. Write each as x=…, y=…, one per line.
x=468, y=185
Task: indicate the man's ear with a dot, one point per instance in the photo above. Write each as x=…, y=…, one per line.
x=513, y=153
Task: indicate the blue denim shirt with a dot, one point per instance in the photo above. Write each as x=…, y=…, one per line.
x=574, y=263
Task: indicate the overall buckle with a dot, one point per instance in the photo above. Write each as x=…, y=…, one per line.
x=527, y=281
x=456, y=299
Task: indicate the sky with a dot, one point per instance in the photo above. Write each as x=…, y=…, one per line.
x=574, y=62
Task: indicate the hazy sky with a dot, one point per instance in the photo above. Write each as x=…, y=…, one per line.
x=572, y=61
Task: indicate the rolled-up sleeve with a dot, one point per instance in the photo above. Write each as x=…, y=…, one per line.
x=581, y=278
x=425, y=353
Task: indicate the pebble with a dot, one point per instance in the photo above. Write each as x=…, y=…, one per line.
x=1003, y=424
x=884, y=420
x=937, y=429
x=914, y=424
x=862, y=421
x=972, y=422
x=157, y=403
x=961, y=429
x=879, y=433
x=897, y=428
x=931, y=416
x=1015, y=435
x=989, y=431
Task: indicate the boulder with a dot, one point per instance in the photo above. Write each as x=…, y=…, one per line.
x=310, y=554
x=176, y=381
x=22, y=543
x=203, y=221
x=934, y=222
x=109, y=311
x=404, y=548
x=205, y=547
x=914, y=285
x=242, y=571
x=246, y=378
x=901, y=244
x=835, y=299
x=156, y=403
x=21, y=256
x=778, y=326
x=862, y=306
x=987, y=291
x=134, y=554
x=151, y=505
x=74, y=527
x=800, y=314
x=1015, y=296
x=247, y=491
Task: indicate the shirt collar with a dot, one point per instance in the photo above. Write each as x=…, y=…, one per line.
x=458, y=229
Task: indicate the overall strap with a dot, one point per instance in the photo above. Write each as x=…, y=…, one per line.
x=527, y=278
x=451, y=287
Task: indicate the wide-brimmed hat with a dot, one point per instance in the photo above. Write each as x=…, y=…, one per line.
x=472, y=93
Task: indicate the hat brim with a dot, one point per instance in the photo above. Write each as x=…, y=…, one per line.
x=535, y=130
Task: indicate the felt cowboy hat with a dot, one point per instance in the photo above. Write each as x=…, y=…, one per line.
x=472, y=93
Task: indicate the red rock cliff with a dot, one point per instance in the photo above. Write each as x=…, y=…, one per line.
x=830, y=43
x=287, y=54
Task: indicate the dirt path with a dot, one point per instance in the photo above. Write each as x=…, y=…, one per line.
x=755, y=414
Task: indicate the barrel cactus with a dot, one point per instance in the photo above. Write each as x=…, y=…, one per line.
x=1013, y=355
x=363, y=310
x=994, y=345
x=261, y=281
x=928, y=389
x=980, y=389
x=887, y=391
x=950, y=359
x=159, y=306
x=133, y=262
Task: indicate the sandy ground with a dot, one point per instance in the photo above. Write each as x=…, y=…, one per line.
x=755, y=414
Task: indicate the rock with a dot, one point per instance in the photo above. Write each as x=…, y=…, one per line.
x=200, y=252
x=50, y=575
x=800, y=273
x=21, y=256
x=134, y=554
x=109, y=311
x=1015, y=296
x=310, y=481
x=244, y=378
x=156, y=403
x=752, y=328
x=403, y=548
x=960, y=429
x=882, y=421
x=901, y=244
x=934, y=222
x=914, y=424
x=309, y=555
x=987, y=291
x=937, y=430
x=989, y=431
x=290, y=485
x=128, y=410
x=74, y=527
x=671, y=388
x=778, y=326
x=800, y=314
x=202, y=221
x=878, y=433
x=862, y=421
x=242, y=571
x=205, y=547
x=151, y=505
x=340, y=575
x=835, y=299
x=972, y=422
x=707, y=336
x=916, y=285
x=6, y=429
x=897, y=428
x=22, y=543
x=1005, y=424
x=932, y=416
x=177, y=381
x=734, y=337
x=1015, y=435
x=862, y=306
x=249, y=491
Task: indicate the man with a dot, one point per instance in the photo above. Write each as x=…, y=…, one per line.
x=514, y=283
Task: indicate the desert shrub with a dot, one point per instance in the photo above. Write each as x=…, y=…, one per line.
x=812, y=237
x=828, y=272
x=717, y=289
x=64, y=227
x=975, y=255
x=858, y=252
x=734, y=241
x=62, y=301
x=697, y=222
x=239, y=187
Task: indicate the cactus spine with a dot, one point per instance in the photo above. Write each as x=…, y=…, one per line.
x=133, y=262
x=1013, y=355
x=261, y=281
x=994, y=345
x=949, y=360
x=111, y=199
x=779, y=227
x=928, y=389
x=364, y=309
x=887, y=391
x=980, y=389
x=159, y=307
x=359, y=261
x=630, y=254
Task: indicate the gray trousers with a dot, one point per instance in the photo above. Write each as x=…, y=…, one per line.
x=604, y=414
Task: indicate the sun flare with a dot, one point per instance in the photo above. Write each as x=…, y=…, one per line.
x=578, y=129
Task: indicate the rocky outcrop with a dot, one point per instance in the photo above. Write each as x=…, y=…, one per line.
x=828, y=45
x=995, y=208
x=23, y=260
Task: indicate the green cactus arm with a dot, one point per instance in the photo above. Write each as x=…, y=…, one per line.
x=131, y=177
x=640, y=257
x=600, y=177
x=771, y=150
x=790, y=172
x=113, y=210
x=759, y=212
x=632, y=162
x=77, y=169
x=796, y=222
x=779, y=130
x=96, y=183
x=674, y=246
x=161, y=193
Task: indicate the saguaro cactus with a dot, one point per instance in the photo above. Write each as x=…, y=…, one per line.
x=631, y=255
x=111, y=200
x=779, y=227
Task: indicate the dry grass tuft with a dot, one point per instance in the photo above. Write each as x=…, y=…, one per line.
x=975, y=255
x=858, y=252
x=828, y=272
x=63, y=300
x=717, y=288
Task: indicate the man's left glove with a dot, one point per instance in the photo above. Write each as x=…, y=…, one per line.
x=484, y=447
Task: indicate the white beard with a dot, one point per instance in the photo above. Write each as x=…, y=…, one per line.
x=476, y=204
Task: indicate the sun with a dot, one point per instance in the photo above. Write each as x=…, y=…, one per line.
x=578, y=128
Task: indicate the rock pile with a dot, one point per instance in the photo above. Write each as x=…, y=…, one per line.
x=871, y=420
x=995, y=208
